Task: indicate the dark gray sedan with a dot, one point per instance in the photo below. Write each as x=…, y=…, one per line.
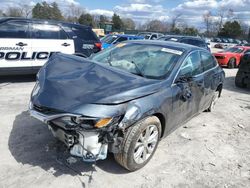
x=126, y=98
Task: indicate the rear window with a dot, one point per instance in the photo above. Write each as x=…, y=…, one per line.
x=84, y=33
x=194, y=42
x=208, y=61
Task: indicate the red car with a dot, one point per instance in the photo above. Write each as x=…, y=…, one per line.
x=231, y=57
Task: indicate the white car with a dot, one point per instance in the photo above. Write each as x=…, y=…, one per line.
x=26, y=44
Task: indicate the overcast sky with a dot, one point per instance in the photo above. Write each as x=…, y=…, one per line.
x=144, y=10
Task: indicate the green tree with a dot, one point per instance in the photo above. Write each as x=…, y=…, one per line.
x=86, y=19
x=248, y=34
x=231, y=29
x=117, y=22
x=102, y=20
x=190, y=31
x=47, y=11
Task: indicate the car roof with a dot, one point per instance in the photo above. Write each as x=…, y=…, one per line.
x=178, y=45
x=126, y=35
x=182, y=36
x=43, y=21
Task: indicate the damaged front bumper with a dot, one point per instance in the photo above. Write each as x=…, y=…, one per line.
x=90, y=144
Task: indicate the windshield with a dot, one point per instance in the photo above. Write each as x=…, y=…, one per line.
x=234, y=50
x=149, y=61
x=109, y=39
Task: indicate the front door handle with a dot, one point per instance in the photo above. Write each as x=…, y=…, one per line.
x=65, y=44
x=21, y=44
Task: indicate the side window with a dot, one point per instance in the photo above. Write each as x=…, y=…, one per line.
x=84, y=33
x=153, y=37
x=191, y=66
x=47, y=31
x=186, y=41
x=14, y=29
x=208, y=61
x=121, y=39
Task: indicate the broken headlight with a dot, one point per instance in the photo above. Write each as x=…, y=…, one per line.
x=87, y=123
x=35, y=89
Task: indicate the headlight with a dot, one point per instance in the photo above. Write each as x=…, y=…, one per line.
x=86, y=122
x=103, y=122
x=36, y=89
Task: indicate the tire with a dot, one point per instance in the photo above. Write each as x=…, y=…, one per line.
x=239, y=80
x=134, y=154
x=231, y=63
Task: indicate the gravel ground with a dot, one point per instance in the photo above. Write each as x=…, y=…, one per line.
x=211, y=150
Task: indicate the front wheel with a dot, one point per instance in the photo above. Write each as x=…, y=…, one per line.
x=140, y=143
x=231, y=63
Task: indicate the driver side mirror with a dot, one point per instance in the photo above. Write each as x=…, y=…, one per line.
x=184, y=79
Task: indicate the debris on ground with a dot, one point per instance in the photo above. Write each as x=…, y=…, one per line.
x=185, y=135
x=241, y=126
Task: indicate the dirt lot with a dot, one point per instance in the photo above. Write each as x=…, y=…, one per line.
x=211, y=150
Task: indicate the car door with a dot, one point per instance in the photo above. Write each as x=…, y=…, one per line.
x=15, y=45
x=211, y=76
x=188, y=88
x=48, y=39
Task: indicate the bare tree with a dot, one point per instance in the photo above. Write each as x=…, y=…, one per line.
x=74, y=12
x=14, y=12
x=25, y=10
x=156, y=25
x=174, y=20
x=128, y=23
x=208, y=22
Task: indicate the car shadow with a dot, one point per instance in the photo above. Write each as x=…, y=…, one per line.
x=229, y=85
x=31, y=142
x=17, y=78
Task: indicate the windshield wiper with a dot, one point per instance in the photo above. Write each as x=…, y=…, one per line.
x=138, y=70
x=110, y=58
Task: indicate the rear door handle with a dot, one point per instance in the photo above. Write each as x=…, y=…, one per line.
x=65, y=44
x=21, y=44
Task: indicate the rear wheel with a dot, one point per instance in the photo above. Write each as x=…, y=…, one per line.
x=231, y=63
x=140, y=143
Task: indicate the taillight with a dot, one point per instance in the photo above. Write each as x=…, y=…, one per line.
x=98, y=45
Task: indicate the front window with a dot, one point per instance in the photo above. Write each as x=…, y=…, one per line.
x=149, y=61
x=47, y=31
x=191, y=66
x=235, y=50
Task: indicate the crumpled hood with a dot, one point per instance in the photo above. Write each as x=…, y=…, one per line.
x=67, y=82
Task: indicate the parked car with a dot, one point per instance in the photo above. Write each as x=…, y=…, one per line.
x=231, y=57
x=26, y=44
x=196, y=41
x=242, y=78
x=150, y=35
x=126, y=98
x=245, y=44
x=111, y=40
